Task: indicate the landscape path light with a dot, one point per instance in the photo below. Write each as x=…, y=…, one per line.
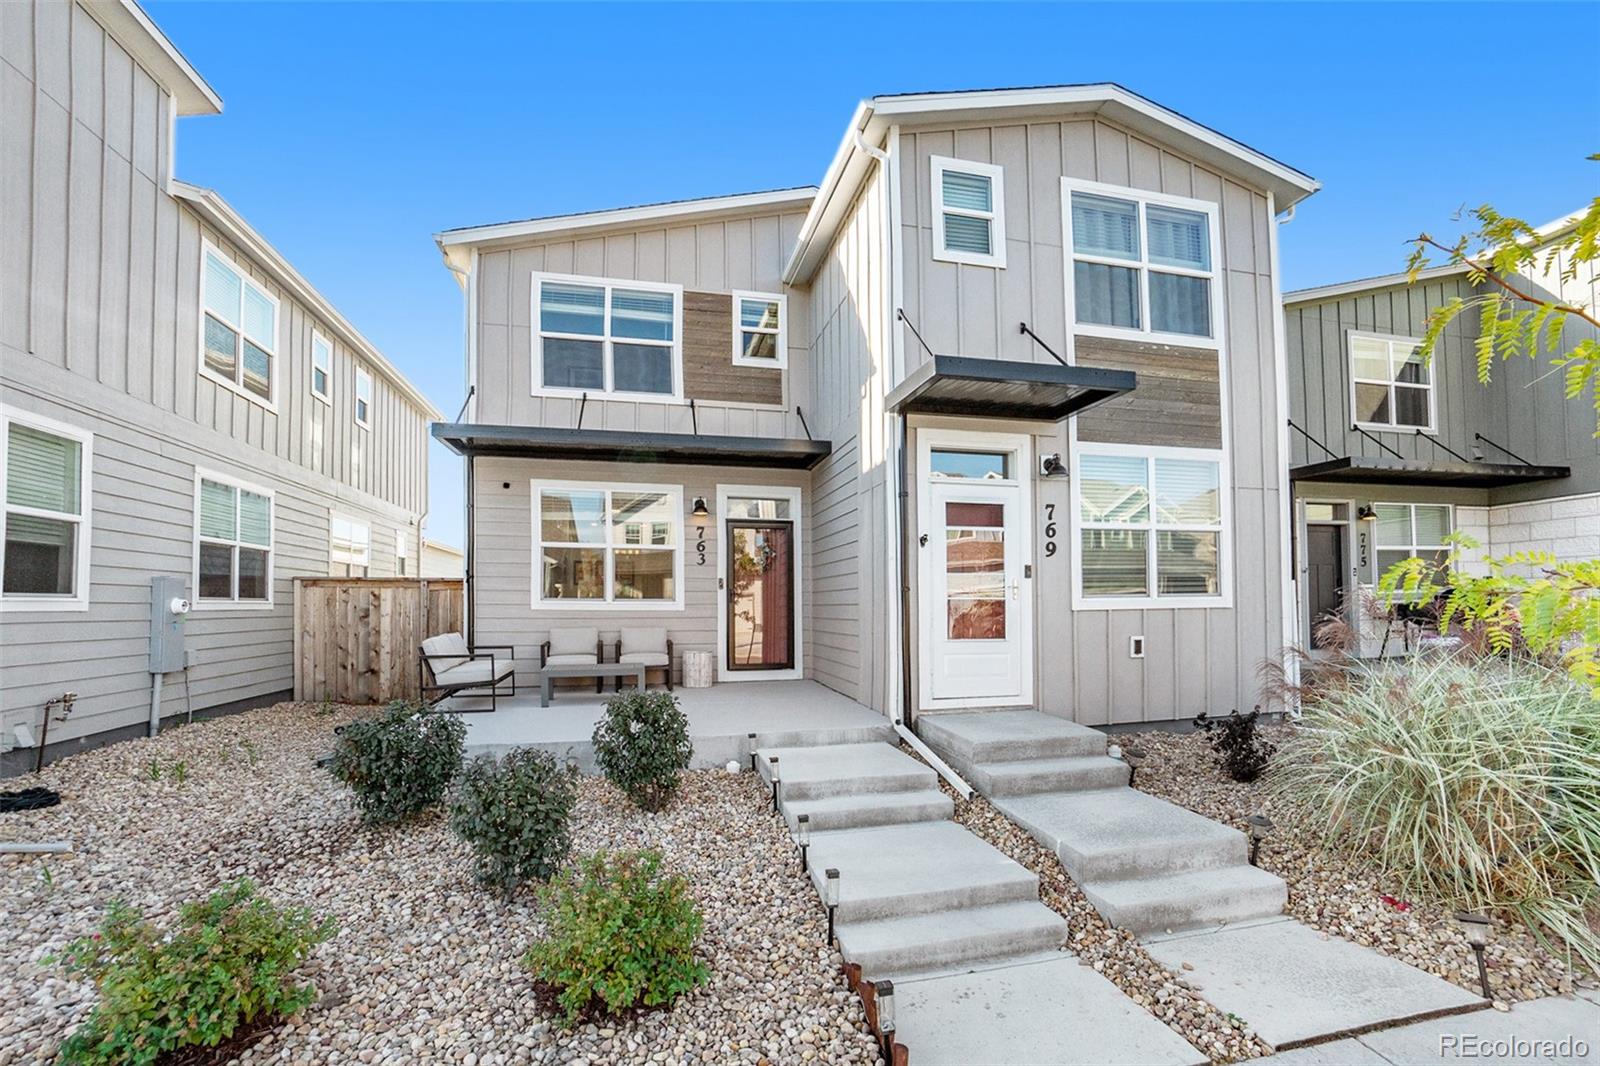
x=1476, y=927
x=884, y=997
x=830, y=896
x=772, y=763
x=802, y=835
x=751, y=739
x=1261, y=827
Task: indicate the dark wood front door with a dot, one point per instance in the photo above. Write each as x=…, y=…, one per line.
x=1324, y=575
x=760, y=602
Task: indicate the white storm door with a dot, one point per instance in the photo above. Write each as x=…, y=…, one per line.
x=976, y=612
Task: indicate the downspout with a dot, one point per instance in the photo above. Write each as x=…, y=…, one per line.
x=467, y=278
x=1289, y=600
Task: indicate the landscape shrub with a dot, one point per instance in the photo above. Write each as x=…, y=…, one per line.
x=223, y=970
x=641, y=745
x=400, y=762
x=1244, y=752
x=1473, y=781
x=515, y=813
x=620, y=935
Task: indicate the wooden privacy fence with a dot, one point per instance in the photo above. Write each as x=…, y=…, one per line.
x=356, y=639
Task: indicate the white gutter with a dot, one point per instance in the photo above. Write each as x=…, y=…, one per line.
x=1288, y=600
x=933, y=760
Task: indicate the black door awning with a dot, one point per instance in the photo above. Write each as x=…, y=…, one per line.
x=1384, y=471
x=623, y=446
x=1001, y=388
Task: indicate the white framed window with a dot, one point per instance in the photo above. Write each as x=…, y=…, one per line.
x=45, y=491
x=1150, y=527
x=969, y=215
x=760, y=329
x=1141, y=264
x=349, y=546
x=1391, y=387
x=1411, y=531
x=363, y=408
x=238, y=328
x=321, y=367
x=402, y=549
x=233, y=553
x=620, y=338
x=607, y=546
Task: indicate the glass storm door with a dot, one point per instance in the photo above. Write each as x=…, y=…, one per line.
x=760, y=595
x=974, y=613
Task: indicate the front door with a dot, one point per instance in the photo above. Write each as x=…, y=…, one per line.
x=760, y=595
x=974, y=613
x=1324, y=576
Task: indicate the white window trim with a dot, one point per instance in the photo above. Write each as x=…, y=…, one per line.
x=605, y=392
x=719, y=522
x=537, y=602
x=402, y=551
x=362, y=374
x=782, y=332
x=196, y=602
x=364, y=562
x=1143, y=265
x=1353, y=335
x=326, y=396
x=997, y=218
x=79, y=600
x=1225, y=560
x=1414, y=547
x=270, y=402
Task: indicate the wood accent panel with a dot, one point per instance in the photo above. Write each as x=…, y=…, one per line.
x=1177, y=402
x=356, y=640
x=708, y=370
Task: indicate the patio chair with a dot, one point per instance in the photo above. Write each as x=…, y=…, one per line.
x=570, y=647
x=645, y=646
x=446, y=666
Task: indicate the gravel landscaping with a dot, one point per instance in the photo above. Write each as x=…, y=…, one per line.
x=426, y=965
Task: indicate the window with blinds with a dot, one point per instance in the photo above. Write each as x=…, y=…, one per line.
x=233, y=542
x=239, y=328
x=45, y=552
x=968, y=201
x=602, y=336
x=1140, y=266
x=1412, y=531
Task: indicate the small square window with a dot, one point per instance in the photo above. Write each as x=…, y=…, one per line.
x=968, y=203
x=760, y=330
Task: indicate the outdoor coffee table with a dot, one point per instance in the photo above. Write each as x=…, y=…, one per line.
x=548, y=675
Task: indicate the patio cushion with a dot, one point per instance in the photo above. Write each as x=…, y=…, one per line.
x=475, y=672
x=643, y=658
x=449, y=644
x=571, y=660
x=576, y=640
x=637, y=639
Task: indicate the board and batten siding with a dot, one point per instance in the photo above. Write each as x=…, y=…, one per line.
x=1197, y=659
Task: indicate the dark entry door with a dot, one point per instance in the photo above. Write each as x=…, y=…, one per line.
x=760, y=595
x=1324, y=573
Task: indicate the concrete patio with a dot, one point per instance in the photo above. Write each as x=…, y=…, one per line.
x=780, y=713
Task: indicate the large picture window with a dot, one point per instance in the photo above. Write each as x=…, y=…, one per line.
x=233, y=542
x=1150, y=525
x=1412, y=531
x=1391, y=386
x=606, y=337
x=44, y=486
x=1140, y=264
x=239, y=328
x=616, y=546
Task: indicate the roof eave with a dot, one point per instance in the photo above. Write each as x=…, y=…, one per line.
x=1320, y=293
x=134, y=30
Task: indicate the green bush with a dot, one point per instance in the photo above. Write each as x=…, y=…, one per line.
x=620, y=935
x=641, y=744
x=515, y=814
x=1475, y=782
x=223, y=969
x=400, y=762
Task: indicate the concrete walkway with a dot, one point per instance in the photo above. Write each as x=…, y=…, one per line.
x=1544, y=1032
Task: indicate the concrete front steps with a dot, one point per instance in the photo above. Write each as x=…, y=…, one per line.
x=1147, y=865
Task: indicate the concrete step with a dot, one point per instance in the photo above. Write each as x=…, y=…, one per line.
x=1000, y=736
x=1071, y=773
x=885, y=947
x=1120, y=833
x=844, y=770
x=883, y=808
x=916, y=869
x=1191, y=900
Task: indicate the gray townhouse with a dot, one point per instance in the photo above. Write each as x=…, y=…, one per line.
x=1391, y=454
x=995, y=416
x=176, y=402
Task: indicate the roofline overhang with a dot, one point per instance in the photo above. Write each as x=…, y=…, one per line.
x=217, y=211
x=1318, y=293
x=1386, y=471
x=874, y=116
x=135, y=31
x=627, y=446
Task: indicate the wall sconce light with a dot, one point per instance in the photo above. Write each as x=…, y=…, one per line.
x=830, y=896
x=802, y=836
x=883, y=996
x=772, y=764
x=700, y=508
x=1261, y=827
x=751, y=740
x=1134, y=757
x=1051, y=466
x=1476, y=927
x=1366, y=513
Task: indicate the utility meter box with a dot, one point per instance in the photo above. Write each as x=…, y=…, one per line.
x=169, y=605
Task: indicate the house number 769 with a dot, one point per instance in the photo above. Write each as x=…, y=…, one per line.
x=1049, y=530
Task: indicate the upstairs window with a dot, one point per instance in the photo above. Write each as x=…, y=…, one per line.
x=239, y=329
x=402, y=548
x=1140, y=265
x=321, y=367
x=1391, y=386
x=363, y=398
x=349, y=546
x=606, y=337
x=233, y=542
x=968, y=212
x=45, y=478
x=760, y=330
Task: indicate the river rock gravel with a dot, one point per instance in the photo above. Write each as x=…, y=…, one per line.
x=425, y=967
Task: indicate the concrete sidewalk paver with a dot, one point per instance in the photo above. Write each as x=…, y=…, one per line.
x=1571, y=1026
x=1053, y=1013
x=1347, y=1052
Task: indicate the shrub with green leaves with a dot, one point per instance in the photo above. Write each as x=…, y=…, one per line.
x=641, y=744
x=515, y=812
x=400, y=762
x=620, y=935
x=223, y=969
x=1472, y=781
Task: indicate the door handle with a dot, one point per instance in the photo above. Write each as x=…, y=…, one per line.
x=1015, y=588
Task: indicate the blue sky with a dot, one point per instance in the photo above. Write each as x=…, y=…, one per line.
x=352, y=132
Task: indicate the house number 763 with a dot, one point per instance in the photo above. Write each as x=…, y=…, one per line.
x=700, y=544
x=1049, y=530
